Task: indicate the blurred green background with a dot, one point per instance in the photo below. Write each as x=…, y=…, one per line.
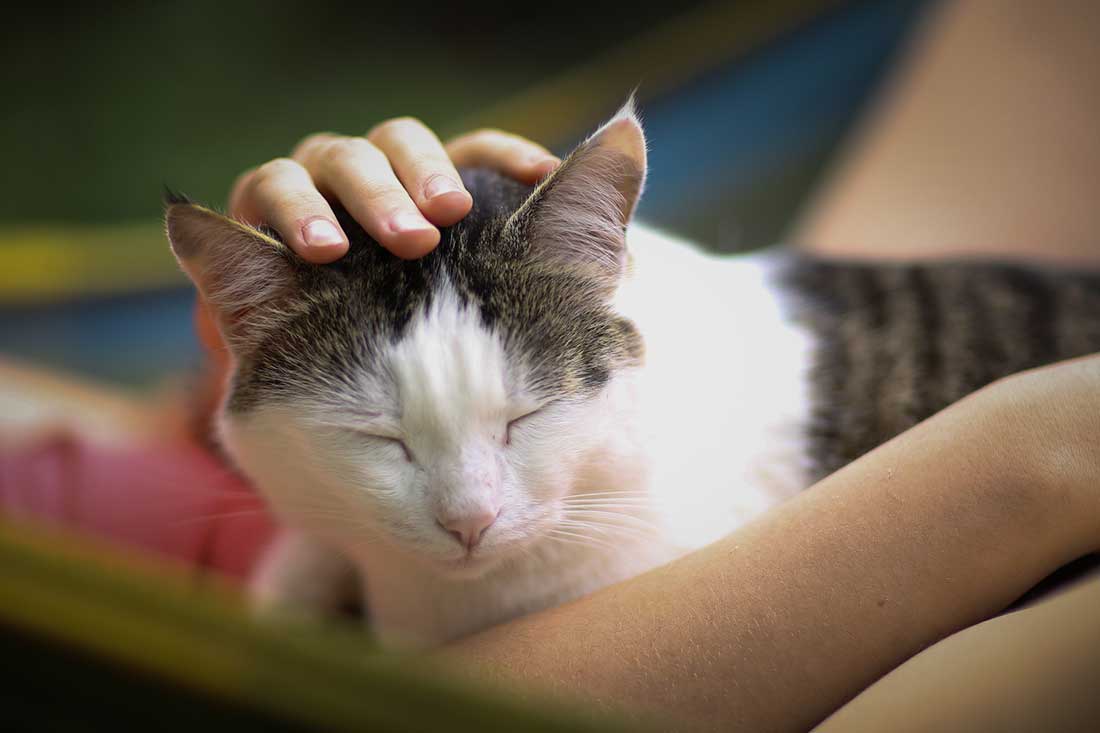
x=113, y=100
x=743, y=102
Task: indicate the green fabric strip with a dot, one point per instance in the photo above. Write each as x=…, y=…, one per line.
x=196, y=636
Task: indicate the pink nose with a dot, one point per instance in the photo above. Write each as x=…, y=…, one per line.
x=469, y=529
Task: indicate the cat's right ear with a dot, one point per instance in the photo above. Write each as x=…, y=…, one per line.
x=239, y=270
x=577, y=216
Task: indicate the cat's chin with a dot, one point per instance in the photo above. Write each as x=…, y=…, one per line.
x=470, y=567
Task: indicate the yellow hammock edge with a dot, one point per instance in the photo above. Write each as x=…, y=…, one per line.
x=47, y=263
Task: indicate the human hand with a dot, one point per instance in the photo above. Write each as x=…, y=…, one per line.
x=399, y=182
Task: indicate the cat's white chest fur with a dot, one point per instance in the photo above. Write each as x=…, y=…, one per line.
x=724, y=386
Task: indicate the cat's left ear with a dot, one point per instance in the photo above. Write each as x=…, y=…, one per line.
x=240, y=271
x=579, y=214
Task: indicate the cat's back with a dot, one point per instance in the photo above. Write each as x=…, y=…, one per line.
x=895, y=343
x=766, y=372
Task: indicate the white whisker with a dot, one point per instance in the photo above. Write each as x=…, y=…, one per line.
x=597, y=514
x=606, y=505
x=600, y=494
x=611, y=530
x=594, y=541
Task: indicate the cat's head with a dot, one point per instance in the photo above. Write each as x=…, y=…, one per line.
x=446, y=404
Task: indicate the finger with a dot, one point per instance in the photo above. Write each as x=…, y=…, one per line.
x=241, y=206
x=357, y=173
x=512, y=155
x=422, y=166
x=282, y=194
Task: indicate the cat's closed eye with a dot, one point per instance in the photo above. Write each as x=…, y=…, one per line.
x=392, y=441
x=519, y=420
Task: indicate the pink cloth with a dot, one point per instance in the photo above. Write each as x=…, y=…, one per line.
x=171, y=499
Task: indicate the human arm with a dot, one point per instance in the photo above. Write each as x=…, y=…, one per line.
x=780, y=623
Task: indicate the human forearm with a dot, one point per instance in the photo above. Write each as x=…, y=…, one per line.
x=778, y=624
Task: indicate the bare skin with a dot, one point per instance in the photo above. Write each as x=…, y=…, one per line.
x=775, y=626
x=779, y=624
x=985, y=144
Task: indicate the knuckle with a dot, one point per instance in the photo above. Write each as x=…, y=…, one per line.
x=239, y=193
x=495, y=136
x=311, y=143
x=484, y=136
x=348, y=149
x=396, y=127
x=381, y=197
x=242, y=182
x=425, y=164
x=273, y=169
x=299, y=204
x=491, y=142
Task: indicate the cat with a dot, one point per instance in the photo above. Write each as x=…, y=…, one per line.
x=556, y=399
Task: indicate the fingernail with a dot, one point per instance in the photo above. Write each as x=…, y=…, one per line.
x=438, y=185
x=321, y=233
x=408, y=222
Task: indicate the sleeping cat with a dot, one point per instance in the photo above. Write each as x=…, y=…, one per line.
x=549, y=403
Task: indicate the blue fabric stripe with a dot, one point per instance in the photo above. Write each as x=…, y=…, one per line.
x=735, y=124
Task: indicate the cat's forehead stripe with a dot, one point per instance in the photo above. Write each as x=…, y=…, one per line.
x=449, y=368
